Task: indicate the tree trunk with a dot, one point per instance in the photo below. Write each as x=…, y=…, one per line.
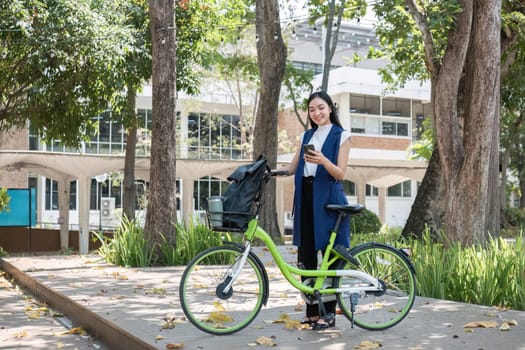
x=162, y=205
x=428, y=207
x=271, y=54
x=128, y=195
x=468, y=153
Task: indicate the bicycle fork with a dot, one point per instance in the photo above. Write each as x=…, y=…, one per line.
x=224, y=289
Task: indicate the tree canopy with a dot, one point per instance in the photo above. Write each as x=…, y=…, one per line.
x=59, y=61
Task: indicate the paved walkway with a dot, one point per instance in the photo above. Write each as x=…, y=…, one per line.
x=138, y=308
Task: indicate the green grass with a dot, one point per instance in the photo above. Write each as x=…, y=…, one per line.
x=492, y=275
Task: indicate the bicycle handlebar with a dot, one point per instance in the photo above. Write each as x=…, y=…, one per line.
x=279, y=173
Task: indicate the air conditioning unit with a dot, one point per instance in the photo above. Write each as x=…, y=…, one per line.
x=107, y=207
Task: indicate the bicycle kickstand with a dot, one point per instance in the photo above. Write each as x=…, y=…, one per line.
x=353, y=302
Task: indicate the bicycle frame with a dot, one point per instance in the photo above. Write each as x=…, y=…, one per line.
x=330, y=256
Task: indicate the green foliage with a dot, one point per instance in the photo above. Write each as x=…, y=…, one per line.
x=402, y=41
x=60, y=63
x=490, y=275
x=128, y=247
x=191, y=240
x=512, y=222
x=422, y=149
x=367, y=222
x=3, y=252
x=4, y=200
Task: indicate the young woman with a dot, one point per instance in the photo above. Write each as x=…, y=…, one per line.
x=318, y=176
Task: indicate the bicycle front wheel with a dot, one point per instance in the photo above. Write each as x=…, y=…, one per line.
x=383, y=309
x=216, y=301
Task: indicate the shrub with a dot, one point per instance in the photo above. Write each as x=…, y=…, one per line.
x=489, y=275
x=128, y=247
x=191, y=239
x=366, y=222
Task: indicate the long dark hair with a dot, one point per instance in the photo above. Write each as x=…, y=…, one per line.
x=334, y=117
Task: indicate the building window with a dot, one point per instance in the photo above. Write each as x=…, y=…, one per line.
x=402, y=189
x=206, y=187
x=214, y=136
x=365, y=104
x=371, y=191
x=396, y=107
x=51, y=194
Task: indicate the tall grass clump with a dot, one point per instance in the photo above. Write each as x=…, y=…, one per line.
x=128, y=247
x=190, y=240
x=492, y=275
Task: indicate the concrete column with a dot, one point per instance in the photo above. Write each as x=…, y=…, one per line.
x=64, y=189
x=344, y=111
x=360, y=188
x=382, y=204
x=84, y=186
x=187, y=200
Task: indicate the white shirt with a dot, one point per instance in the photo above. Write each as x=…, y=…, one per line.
x=318, y=139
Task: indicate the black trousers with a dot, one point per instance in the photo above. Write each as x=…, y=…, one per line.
x=306, y=253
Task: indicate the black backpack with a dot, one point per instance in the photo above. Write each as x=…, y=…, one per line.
x=245, y=187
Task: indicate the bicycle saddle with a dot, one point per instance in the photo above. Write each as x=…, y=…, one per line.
x=346, y=208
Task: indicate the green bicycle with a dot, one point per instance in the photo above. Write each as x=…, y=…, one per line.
x=223, y=288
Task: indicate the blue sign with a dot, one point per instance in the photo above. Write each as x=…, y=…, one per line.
x=22, y=208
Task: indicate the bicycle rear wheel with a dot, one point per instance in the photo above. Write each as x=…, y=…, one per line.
x=209, y=304
x=383, y=309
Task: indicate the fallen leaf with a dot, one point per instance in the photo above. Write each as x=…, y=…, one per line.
x=175, y=346
x=219, y=317
x=504, y=327
x=75, y=330
x=282, y=318
x=366, y=344
x=262, y=340
x=59, y=345
x=217, y=305
x=481, y=324
x=512, y=322
x=159, y=337
x=21, y=334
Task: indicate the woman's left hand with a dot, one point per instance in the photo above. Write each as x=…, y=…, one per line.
x=316, y=157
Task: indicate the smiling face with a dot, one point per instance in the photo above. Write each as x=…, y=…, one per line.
x=319, y=111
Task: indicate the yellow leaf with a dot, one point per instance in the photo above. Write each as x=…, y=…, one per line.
x=283, y=295
x=21, y=334
x=75, y=330
x=481, y=324
x=512, y=322
x=175, y=346
x=366, y=344
x=504, y=327
x=159, y=337
x=217, y=305
x=219, y=317
x=59, y=345
x=262, y=340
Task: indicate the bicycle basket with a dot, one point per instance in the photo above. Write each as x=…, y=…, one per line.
x=243, y=191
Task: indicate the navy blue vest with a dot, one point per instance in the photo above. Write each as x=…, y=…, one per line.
x=326, y=190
